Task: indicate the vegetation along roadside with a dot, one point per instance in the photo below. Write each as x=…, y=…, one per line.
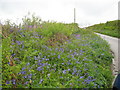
x=110, y=28
x=48, y=54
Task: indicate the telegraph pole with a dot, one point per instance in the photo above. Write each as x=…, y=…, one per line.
x=74, y=16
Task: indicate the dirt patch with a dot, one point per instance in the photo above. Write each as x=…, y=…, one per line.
x=57, y=39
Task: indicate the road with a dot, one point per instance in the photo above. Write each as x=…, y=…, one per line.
x=114, y=42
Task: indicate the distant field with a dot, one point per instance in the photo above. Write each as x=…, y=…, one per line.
x=110, y=28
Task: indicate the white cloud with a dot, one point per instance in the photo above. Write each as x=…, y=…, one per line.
x=88, y=12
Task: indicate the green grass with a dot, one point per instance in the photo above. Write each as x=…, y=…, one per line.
x=110, y=28
x=41, y=54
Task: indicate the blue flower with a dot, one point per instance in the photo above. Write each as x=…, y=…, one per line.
x=9, y=63
x=69, y=63
x=64, y=71
x=90, y=77
x=47, y=59
x=13, y=54
x=77, y=62
x=39, y=68
x=24, y=76
x=16, y=58
x=58, y=56
x=13, y=81
x=39, y=60
x=29, y=76
x=41, y=81
x=35, y=58
x=85, y=69
x=7, y=82
x=18, y=42
x=36, y=37
x=68, y=69
x=30, y=26
x=81, y=77
x=102, y=54
x=22, y=46
x=87, y=81
x=39, y=63
x=26, y=82
x=61, y=77
x=23, y=68
x=48, y=75
x=74, y=71
x=23, y=72
x=61, y=49
x=13, y=43
x=28, y=64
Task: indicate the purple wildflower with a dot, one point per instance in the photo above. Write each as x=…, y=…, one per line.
x=13, y=81
x=61, y=77
x=85, y=69
x=23, y=68
x=71, y=84
x=86, y=74
x=61, y=49
x=30, y=26
x=22, y=46
x=48, y=75
x=47, y=59
x=7, y=82
x=77, y=62
x=18, y=42
x=58, y=56
x=39, y=60
x=64, y=71
x=102, y=54
x=69, y=63
x=13, y=54
x=68, y=69
x=36, y=37
x=16, y=58
x=41, y=81
x=98, y=86
x=28, y=64
x=77, y=35
x=70, y=51
x=29, y=76
x=26, y=82
x=39, y=68
x=35, y=58
x=11, y=30
x=81, y=77
x=23, y=72
x=24, y=76
x=9, y=63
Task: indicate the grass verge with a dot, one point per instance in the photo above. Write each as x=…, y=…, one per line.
x=41, y=54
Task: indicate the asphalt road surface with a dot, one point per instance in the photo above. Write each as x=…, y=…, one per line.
x=114, y=45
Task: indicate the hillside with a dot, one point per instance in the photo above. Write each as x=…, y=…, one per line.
x=39, y=54
x=110, y=28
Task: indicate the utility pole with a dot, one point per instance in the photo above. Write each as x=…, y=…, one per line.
x=74, y=16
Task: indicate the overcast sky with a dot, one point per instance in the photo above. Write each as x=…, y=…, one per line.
x=88, y=12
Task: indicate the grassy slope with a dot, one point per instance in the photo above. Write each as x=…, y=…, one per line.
x=109, y=28
x=54, y=55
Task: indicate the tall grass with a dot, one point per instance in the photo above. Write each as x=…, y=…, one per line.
x=41, y=54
